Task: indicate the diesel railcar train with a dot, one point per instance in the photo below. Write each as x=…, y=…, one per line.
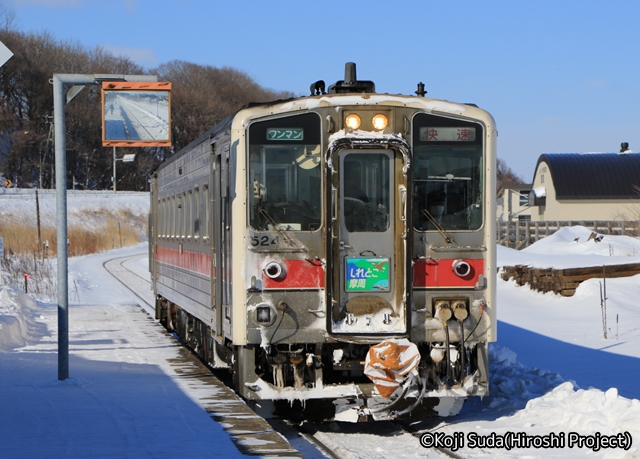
x=335, y=252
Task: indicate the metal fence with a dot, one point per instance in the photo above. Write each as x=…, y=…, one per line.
x=521, y=234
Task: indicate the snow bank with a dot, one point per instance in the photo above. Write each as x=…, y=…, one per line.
x=589, y=411
x=18, y=313
x=511, y=384
x=540, y=403
x=570, y=247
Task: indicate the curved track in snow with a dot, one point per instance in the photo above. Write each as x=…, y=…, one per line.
x=124, y=270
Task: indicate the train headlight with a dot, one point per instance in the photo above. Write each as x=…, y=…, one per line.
x=265, y=314
x=274, y=270
x=379, y=122
x=461, y=268
x=352, y=121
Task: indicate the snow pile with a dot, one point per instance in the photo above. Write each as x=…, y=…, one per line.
x=570, y=247
x=586, y=411
x=18, y=314
x=511, y=384
x=536, y=402
x=576, y=240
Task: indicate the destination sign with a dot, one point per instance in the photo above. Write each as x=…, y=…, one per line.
x=367, y=274
x=447, y=134
x=285, y=134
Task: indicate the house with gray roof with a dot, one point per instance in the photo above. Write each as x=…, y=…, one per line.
x=586, y=186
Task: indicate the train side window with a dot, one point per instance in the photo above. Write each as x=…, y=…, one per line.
x=165, y=218
x=178, y=216
x=189, y=217
x=159, y=228
x=173, y=216
x=196, y=214
x=205, y=205
x=168, y=216
x=183, y=215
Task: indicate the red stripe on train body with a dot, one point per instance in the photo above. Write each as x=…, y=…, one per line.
x=440, y=273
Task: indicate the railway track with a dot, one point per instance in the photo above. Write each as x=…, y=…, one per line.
x=131, y=279
x=418, y=432
x=376, y=440
x=132, y=117
x=252, y=434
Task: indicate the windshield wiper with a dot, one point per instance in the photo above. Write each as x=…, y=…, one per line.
x=276, y=226
x=447, y=237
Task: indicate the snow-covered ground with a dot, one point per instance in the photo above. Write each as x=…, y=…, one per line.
x=553, y=372
x=123, y=398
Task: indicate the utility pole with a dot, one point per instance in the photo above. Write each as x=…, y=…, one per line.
x=125, y=159
x=60, y=98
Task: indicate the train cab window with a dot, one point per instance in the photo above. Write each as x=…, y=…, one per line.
x=448, y=174
x=284, y=177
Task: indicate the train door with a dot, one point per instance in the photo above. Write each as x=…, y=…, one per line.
x=369, y=294
x=154, y=216
x=225, y=230
x=221, y=259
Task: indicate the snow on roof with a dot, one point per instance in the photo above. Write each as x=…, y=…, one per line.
x=539, y=191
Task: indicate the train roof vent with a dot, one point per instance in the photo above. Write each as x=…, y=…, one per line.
x=350, y=83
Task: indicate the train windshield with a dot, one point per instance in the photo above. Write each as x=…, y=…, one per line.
x=448, y=177
x=284, y=179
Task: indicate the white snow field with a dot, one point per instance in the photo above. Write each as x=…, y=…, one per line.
x=555, y=379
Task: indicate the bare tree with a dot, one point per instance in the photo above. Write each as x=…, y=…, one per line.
x=7, y=18
x=202, y=97
x=505, y=175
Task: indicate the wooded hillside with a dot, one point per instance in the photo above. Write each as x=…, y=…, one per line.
x=201, y=97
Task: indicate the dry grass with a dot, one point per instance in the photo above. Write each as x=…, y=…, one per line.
x=21, y=240
x=91, y=230
x=42, y=274
x=23, y=254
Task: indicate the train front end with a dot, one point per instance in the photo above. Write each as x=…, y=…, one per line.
x=368, y=265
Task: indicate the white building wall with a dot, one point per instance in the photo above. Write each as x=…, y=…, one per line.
x=508, y=204
x=578, y=209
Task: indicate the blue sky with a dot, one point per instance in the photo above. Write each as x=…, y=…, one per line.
x=557, y=75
